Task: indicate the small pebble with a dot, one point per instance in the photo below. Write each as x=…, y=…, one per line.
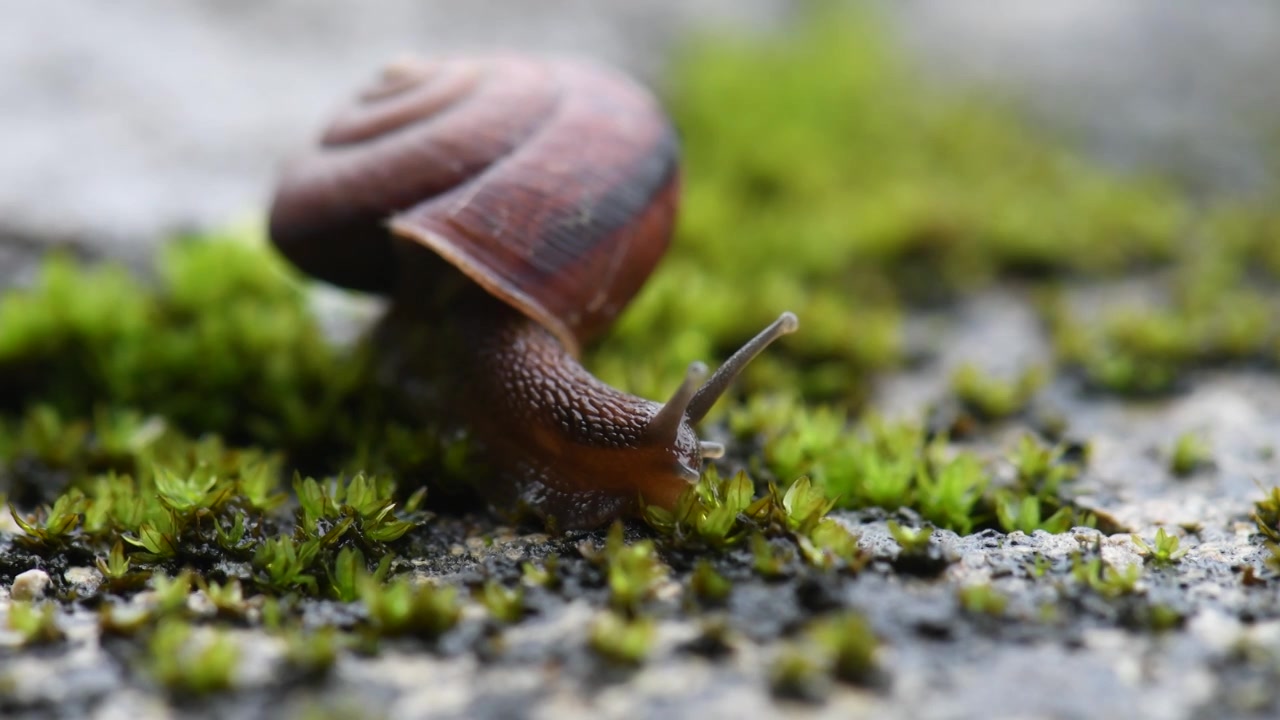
x=84, y=580
x=30, y=585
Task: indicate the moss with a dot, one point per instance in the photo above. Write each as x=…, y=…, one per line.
x=1163, y=550
x=931, y=194
x=1189, y=453
x=505, y=605
x=403, y=607
x=982, y=600
x=894, y=466
x=621, y=640
x=841, y=647
x=35, y=623
x=707, y=585
x=633, y=571
x=1106, y=580
x=265, y=372
x=191, y=662
x=995, y=399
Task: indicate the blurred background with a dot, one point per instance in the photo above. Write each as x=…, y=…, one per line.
x=125, y=121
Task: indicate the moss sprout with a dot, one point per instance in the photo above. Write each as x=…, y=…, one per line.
x=995, y=399
x=505, y=605
x=1189, y=454
x=1163, y=551
x=621, y=640
x=1104, y=579
x=982, y=599
x=911, y=541
x=36, y=623
x=187, y=660
x=841, y=646
x=404, y=607
x=633, y=571
x=708, y=585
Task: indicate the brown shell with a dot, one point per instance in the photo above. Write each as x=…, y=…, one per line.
x=552, y=183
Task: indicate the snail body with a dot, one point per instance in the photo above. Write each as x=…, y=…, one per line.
x=549, y=189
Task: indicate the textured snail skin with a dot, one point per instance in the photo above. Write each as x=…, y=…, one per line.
x=511, y=207
x=559, y=442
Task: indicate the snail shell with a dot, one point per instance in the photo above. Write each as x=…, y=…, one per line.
x=551, y=183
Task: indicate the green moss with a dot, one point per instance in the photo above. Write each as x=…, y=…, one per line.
x=1163, y=551
x=1104, y=579
x=221, y=342
x=35, y=623
x=911, y=541
x=505, y=605
x=633, y=571
x=995, y=399
x=1266, y=514
x=894, y=466
x=192, y=661
x=840, y=646
x=621, y=640
x=708, y=585
x=930, y=194
x=1189, y=454
x=982, y=600
x=403, y=607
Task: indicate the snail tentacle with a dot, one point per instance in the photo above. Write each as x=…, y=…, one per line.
x=710, y=392
x=664, y=426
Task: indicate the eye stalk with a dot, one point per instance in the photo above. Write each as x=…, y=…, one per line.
x=664, y=426
x=690, y=403
x=709, y=393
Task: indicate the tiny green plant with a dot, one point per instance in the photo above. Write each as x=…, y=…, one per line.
x=1026, y=515
x=633, y=571
x=1164, y=551
x=505, y=605
x=350, y=570
x=1041, y=470
x=1190, y=453
x=621, y=640
x=771, y=560
x=171, y=593
x=995, y=399
x=35, y=623
x=796, y=674
x=848, y=643
x=403, y=607
x=949, y=494
x=58, y=524
x=982, y=599
x=227, y=598
x=1106, y=580
x=911, y=541
x=547, y=575
x=313, y=653
x=708, y=585
x=710, y=512
x=840, y=646
x=192, y=661
x=1266, y=514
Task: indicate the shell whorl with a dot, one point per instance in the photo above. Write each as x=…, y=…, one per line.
x=551, y=183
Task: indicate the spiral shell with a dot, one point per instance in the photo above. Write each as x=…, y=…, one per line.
x=552, y=183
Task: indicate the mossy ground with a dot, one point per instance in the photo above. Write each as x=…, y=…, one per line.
x=229, y=511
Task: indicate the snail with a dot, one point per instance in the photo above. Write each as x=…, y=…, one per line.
x=511, y=207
